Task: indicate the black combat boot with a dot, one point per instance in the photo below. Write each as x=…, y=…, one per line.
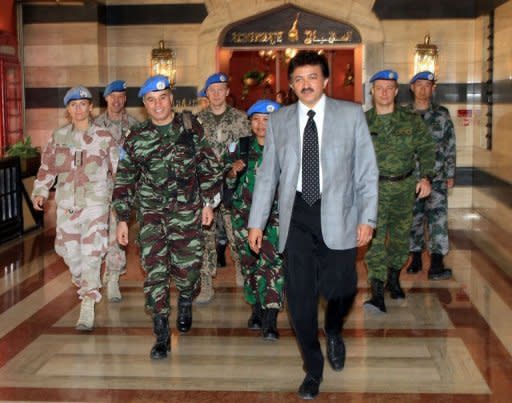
x=437, y=270
x=163, y=337
x=221, y=255
x=393, y=284
x=184, y=318
x=269, y=326
x=255, y=320
x=416, y=264
x=376, y=302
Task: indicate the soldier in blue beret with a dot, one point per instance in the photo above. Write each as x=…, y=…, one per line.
x=263, y=276
x=116, y=120
x=81, y=158
x=170, y=174
x=223, y=125
x=75, y=93
x=401, y=140
x=433, y=210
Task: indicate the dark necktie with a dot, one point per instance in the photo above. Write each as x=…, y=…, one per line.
x=310, y=162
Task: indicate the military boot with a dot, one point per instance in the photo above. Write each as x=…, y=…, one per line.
x=221, y=255
x=207, y=292
x=163, y=338
x=255, y=320
x=184, y=319
x=269, y=325
x=376, y=302
x=113, y=291
x=416, y=264
x=437, y=270
x=86, y=320
x=393, y=284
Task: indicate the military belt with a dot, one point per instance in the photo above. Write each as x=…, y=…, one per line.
x=396, y=178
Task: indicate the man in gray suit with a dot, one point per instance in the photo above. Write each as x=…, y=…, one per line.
x=319, y=155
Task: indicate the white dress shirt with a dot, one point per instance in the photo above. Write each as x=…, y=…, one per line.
x=319, y=109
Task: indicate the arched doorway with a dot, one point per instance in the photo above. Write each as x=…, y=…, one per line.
x=255, y=54
x=224, y=15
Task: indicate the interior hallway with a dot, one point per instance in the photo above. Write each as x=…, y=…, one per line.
x=449, y=341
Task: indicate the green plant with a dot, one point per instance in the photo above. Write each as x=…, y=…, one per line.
x=23, y=149
x=256, y=75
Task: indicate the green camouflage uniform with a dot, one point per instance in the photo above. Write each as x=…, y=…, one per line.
x=435, y=208
x=263, y=275
x=84, y=163
x=115, y=259
x=174, y=173
x=398, y=138
x=232, y=125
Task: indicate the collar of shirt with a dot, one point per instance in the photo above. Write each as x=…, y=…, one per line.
x=302, y=110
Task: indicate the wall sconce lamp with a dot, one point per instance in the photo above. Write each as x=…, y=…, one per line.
x=425, y=58
x=163, y=61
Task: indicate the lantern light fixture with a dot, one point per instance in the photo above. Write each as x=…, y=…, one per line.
x=425, y=57
x=163, y=61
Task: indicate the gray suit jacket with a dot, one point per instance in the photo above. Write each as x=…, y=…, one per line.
x=349, y=173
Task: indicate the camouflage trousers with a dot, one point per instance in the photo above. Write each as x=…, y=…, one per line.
x=171, y=247
x=263, y=272
x=390, y=246
x=210, y=245
x=115, y=259
x=81, y=239
x=432, y=211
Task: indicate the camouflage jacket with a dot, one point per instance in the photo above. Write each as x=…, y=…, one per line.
x=176, y=170
x=83, y=162
x=233, y=125
x=441, y=128
x=399, y=138
x=243, y=185
x=119, y=129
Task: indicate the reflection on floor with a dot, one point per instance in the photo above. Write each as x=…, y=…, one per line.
x=448, y=341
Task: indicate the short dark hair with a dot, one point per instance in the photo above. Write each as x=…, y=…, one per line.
x=311, y=58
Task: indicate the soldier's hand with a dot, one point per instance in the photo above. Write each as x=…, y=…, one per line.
x=38, y=203
x=255, y=237
x=238, y=166
x=122, y=233
x=364, y=234
x=207, y=216
x=450, y=182
x=423, y=188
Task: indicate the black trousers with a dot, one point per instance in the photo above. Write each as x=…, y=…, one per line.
x=313, y=270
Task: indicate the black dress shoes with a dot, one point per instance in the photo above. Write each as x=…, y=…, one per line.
x=336, y=352
x=309, y=388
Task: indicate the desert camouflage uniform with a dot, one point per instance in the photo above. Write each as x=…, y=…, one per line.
x=84, y=163
x=115, y=259
x=174, y=173
x=398, y=138
x=232, y=125
x=263, y=274
x=435, y=207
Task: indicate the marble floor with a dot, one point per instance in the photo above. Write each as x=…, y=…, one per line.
x=448, y=341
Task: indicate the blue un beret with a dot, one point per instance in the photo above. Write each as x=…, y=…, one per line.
x=215, y=78
x=385, y=75
x=155, y=83
x=423, y=75
x=263, y=106
x=115, y=86
x=79, y=92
